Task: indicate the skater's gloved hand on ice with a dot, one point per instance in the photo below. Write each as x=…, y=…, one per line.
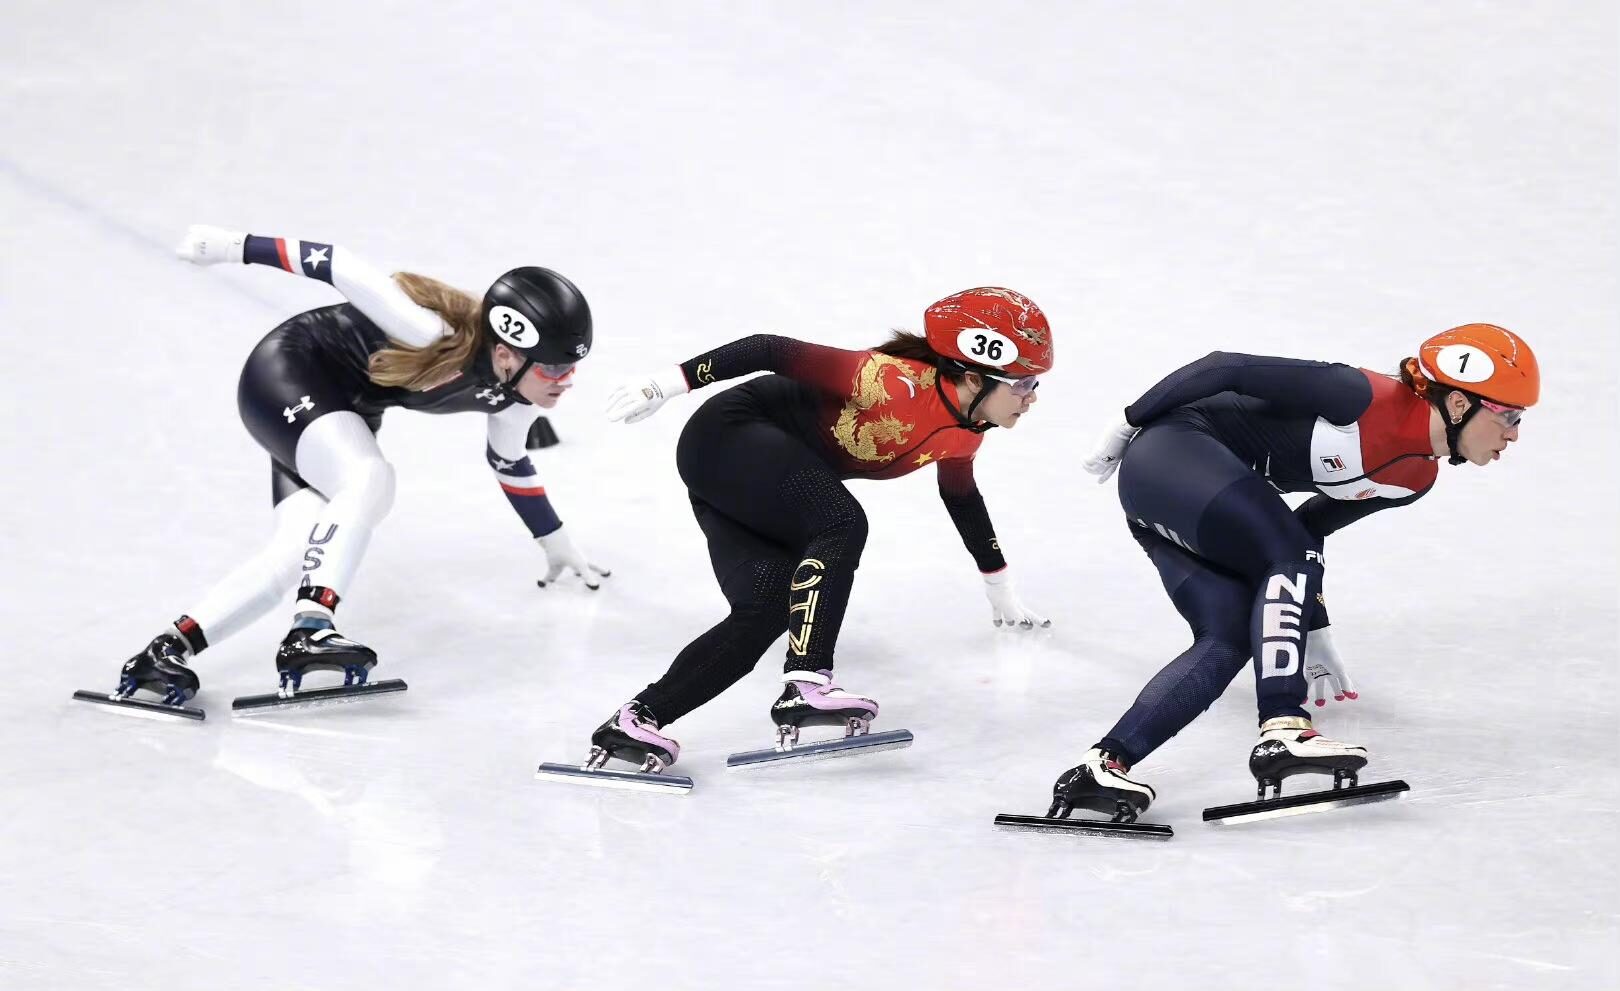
x=1006, y=608
x=562, y=555
x=1104, y=459
x=639, y=399
x=204, y=245
x=1325, y=669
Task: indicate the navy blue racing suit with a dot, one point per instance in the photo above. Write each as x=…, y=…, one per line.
x=1202, y=484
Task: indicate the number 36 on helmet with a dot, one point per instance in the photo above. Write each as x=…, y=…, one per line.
x=991, y=329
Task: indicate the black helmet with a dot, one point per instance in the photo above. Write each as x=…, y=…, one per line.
x=539, y=314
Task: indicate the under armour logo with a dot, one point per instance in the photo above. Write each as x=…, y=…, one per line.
x=491, y=395
x=291, y=412
x=580, y=350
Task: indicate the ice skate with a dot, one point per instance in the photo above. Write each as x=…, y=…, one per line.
x=1288, y=746
x=630, y=734
x=809, y=698
x=305, y=649
x=160, y=669
x=1098, y=784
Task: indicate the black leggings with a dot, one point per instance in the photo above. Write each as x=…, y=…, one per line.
x=785, y=537
x=1241, y=568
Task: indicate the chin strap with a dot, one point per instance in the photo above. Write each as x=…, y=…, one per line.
x=1454, y=426
x=517, y=376
x=963, y=418
x=1437, y=395
x=509, y=385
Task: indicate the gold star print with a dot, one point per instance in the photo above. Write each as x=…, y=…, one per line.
x=924, y=458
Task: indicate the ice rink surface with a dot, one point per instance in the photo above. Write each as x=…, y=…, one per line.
x=1316, y=180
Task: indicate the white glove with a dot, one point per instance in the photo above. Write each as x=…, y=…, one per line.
x=640, y=399
x=204, y=245
x=561, y=554
x=1104, y=460
x=1006, y=608
x=1325, y=668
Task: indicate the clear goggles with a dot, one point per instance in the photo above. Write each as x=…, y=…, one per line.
x=1509, y=415
x=1021, y=386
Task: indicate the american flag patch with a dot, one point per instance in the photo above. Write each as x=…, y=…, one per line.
x=315, y=260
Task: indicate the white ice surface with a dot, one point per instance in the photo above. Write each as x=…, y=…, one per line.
x=1311, y=179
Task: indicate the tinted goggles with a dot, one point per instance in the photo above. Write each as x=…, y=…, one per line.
x=552, y=373
x=1509, y=415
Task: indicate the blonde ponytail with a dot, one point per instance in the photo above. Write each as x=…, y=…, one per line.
x=419, y=369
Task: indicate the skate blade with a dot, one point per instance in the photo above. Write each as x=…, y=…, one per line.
x=143, y=708
x=892, y=739
x=313, y=698
x=1096, y=827
x=1293, y=805
x=623, y=780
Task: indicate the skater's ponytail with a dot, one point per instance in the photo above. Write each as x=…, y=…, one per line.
x=423, y=368
x=1412, y=377
x=914, y=347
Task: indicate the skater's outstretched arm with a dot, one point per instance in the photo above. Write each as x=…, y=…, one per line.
x=371, y=290
x=1337, y=393
x=507, y=433
x=829, y=369
x=508, y=457
x=962, y=499
x=960, y=494
x=1323, y=515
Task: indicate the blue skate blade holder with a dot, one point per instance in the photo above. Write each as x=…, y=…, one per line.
x=313, y=698
x=141, y=707
x=625, y=780
x=893, y=739
x=1293, y=805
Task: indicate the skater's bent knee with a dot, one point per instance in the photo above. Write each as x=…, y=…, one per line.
x=372, y=486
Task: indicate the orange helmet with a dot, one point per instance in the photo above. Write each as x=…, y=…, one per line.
x=1483, y=360
x=994, y=329
x=1489, y=365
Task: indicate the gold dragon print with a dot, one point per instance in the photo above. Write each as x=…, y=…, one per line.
x=862, y=440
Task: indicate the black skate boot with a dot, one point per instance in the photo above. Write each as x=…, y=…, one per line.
x=304, y=649
x=160, y=669
x=630, y=734
x=1288, y=746
x=313, y=645
x=810, y=698
x=1097, y=784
